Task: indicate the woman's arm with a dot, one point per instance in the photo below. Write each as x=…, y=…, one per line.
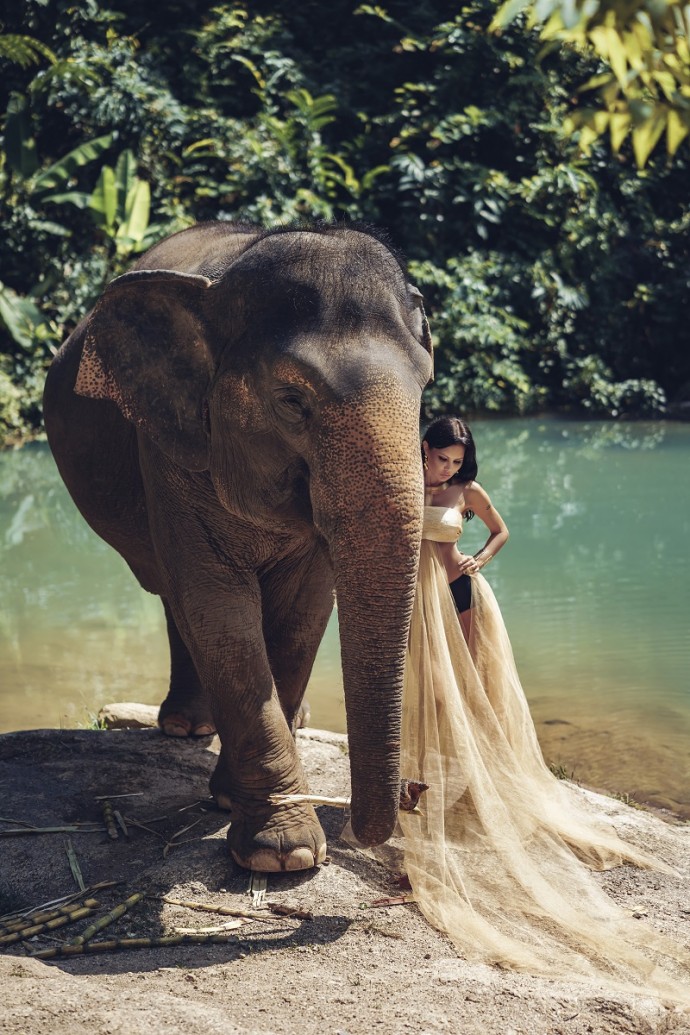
x=477, y=500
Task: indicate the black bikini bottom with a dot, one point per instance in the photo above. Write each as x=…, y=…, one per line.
x=461, y=588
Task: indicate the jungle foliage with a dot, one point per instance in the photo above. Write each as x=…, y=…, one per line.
x=555, y=279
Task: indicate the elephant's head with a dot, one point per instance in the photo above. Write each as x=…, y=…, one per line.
x=294, y=376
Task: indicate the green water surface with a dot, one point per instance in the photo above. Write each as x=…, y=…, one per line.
x=594, y=586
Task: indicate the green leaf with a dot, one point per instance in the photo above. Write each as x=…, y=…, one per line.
x=24, y=50
x=677, y=128
x=372, y=175
x=56, y=175
x=619, y=127
x=646, y=135
x=209, y=145
x=507, y=13
x=137, y=211
x=78, y=198
x=125, y=176
x=20, y=146
x=103, y=201
x=375, y=10
x=20, y=316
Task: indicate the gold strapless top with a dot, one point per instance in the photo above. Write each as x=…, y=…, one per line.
x=441, y=524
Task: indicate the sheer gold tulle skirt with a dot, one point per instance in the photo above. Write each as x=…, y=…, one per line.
x=501, y=858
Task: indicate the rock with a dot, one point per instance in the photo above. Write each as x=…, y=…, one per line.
x=348, y=968
x=127, y=715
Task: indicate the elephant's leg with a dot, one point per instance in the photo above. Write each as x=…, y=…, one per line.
x=297, y=604
x=186, y=711
x=258, y=757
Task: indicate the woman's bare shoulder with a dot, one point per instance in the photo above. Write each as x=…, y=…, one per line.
x=474, y=489
x=473, y=495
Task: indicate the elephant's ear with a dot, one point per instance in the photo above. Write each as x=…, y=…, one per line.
x=146, y=348
x=418, y=302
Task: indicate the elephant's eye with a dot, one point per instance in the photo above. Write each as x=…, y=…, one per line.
x=291, y=404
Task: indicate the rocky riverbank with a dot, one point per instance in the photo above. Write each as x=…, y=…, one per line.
x=321, y=958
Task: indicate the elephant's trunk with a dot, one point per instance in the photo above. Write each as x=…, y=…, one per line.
x=368, y=497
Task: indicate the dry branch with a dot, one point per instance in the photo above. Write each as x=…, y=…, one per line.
x=220, y=910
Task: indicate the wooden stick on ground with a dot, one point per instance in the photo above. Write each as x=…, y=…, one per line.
x=219, y=910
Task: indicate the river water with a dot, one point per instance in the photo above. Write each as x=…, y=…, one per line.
x=594, y=586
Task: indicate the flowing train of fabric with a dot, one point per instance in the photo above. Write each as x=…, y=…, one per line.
x=501, y=858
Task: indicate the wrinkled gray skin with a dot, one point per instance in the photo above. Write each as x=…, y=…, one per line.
x=245, y=434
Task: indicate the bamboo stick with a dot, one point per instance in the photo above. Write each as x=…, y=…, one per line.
x=109, y=819
x=50, y=925
x=41, y=918
x=108, y=919
x=73, y=949
x=19, y=914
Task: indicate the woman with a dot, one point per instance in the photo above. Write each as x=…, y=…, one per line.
x=449, y=458
x=496, y=859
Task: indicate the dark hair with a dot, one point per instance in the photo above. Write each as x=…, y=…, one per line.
x=451, y=431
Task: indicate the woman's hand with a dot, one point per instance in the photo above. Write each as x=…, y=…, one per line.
x=468, y=565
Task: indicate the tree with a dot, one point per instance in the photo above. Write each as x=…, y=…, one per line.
x=644, y=89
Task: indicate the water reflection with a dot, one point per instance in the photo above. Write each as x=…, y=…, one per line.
x=593, y=585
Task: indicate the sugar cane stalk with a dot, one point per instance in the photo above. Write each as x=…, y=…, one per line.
x=44, y=917
x=73, y=949
x=108, y=919
x=109, y=819
x=75, y=897
x=49, y=925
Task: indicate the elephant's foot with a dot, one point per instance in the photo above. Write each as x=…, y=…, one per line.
x=286, y=838
x=191, y=719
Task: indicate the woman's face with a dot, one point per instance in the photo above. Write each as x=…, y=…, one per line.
x=442, y=463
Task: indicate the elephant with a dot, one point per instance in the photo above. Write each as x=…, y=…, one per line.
x=238, y=416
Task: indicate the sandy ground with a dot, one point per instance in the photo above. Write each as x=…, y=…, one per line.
x=351, y=968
